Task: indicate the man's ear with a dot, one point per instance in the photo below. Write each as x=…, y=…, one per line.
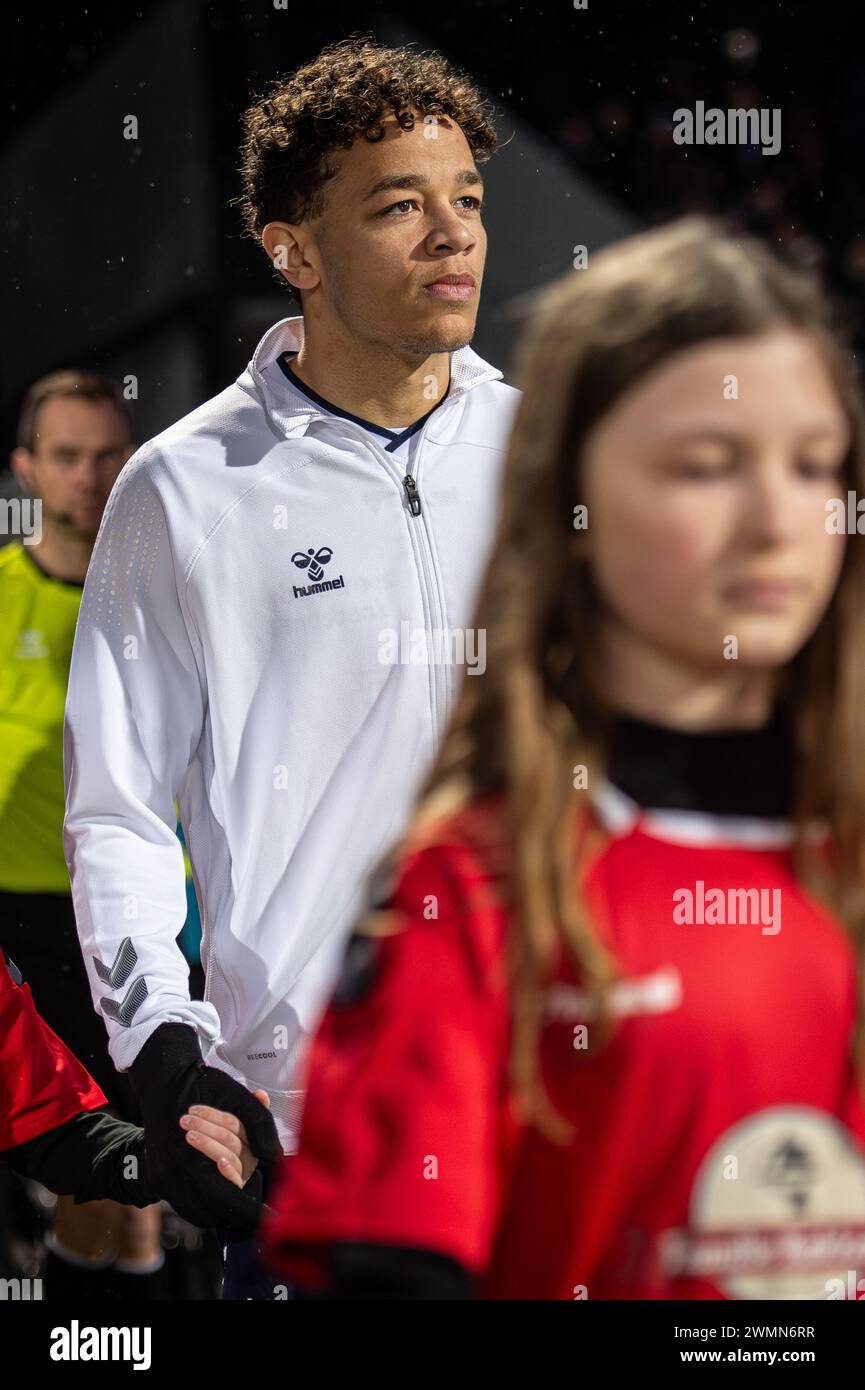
x=286, y=245
x=21, y=463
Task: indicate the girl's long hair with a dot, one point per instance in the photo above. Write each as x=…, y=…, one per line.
x=519, y=730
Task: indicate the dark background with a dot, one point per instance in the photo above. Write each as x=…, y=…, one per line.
x=127, y=255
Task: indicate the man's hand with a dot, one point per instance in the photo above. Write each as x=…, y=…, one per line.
x=222, y=1137
x=169, y=1078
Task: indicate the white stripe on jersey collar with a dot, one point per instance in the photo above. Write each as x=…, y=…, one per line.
x=619, y=813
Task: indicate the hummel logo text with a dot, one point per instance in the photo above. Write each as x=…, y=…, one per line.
x=314, y=561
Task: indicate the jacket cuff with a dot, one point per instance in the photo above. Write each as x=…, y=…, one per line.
x=169, y=1050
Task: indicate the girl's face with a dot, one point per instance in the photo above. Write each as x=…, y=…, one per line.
x=706, y=486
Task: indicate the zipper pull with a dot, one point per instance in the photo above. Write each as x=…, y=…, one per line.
x=410, y=486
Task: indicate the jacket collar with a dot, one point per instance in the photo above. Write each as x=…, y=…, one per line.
x=294, y=416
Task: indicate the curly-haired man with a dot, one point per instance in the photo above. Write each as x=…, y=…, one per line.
x=280, y=600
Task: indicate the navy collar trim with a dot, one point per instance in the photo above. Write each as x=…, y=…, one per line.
x=396, y=437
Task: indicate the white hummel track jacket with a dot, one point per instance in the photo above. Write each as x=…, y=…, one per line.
x=242, y=646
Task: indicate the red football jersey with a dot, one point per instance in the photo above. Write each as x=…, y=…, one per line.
x=718, y=1148
x=42, y=1085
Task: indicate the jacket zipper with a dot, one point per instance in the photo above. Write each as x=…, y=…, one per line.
x=440, y=678
x=440, y=681
x=410, y=486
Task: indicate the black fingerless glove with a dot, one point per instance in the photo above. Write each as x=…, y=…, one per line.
x=168, y=1076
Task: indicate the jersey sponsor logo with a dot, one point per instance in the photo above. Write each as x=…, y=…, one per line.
x=777, y=1209
x=31, y=645
x=314, y=562
x=658, y=993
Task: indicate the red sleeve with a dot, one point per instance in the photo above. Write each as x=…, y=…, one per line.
x=400, y=1131
x=42, y=1085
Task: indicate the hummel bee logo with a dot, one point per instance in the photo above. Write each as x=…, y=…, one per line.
x=315, y=561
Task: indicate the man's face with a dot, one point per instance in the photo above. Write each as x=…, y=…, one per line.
x=79, y=448
x=399, y=215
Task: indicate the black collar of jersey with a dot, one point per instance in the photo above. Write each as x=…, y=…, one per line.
x=46, y=574
x=736, y=773
x=395, y=437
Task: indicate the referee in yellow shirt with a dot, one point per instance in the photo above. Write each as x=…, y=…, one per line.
x=74, y=437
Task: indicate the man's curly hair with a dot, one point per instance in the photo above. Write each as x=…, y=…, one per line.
x=347, y=91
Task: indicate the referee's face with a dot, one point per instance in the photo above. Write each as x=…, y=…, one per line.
x=399, y=251
x=80, y=446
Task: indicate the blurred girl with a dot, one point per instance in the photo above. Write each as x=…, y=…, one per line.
x=601, y=1037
